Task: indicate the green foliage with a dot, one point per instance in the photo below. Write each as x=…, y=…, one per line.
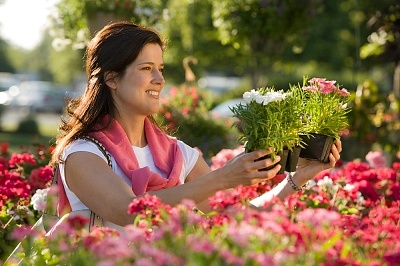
x=263, y=28
x=374, y=118
x=270, y=119
x=185, y=114
x=75, y=16
x=325, y=107
x=384, y=41
x=5, y=61
x=7, y=226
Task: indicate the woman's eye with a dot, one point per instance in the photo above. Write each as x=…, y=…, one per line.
x=161, y=70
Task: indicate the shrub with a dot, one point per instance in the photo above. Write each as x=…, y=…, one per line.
x=28, y=125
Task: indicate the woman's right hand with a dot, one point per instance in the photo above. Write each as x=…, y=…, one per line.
x=245, y=170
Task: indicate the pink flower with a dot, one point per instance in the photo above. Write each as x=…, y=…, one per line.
x=221, y=158
x=318, y=217
x=376, y=159
x=20, y=158
x=200, y=245
x=21, y=232
x=396, y=166
x=343, y=92
x=310, y=88
x=325, y=86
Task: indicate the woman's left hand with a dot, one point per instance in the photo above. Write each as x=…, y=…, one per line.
x=307, y=169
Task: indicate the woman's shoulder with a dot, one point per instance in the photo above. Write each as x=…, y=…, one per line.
x=79, y=145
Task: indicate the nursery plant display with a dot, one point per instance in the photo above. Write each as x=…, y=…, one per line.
x=270, y=119
x=324, y=116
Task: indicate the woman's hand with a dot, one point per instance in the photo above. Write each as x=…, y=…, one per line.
x=245, y=170
x=307, y=169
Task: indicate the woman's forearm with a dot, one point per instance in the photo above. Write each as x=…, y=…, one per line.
x=281, y=191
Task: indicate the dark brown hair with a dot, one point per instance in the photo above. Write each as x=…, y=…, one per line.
x=112, y=49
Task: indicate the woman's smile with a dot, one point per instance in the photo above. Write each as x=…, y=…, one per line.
x=155, y=94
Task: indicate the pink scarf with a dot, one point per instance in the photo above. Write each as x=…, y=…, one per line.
x=165, y=150
x=166, y=153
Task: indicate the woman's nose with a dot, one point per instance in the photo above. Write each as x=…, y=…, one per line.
x=158, y=77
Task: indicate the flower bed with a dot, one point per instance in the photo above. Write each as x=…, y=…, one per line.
x=348, y=216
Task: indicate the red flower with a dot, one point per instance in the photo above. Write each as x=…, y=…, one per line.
x=4, y=147
x=39, y=177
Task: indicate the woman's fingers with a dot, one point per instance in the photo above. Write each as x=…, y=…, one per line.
x=262, y=160
x=334, y=156
x=246, y=168
x=338, y=144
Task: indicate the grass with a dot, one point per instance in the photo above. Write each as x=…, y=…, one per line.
x=47, y=132
x=20, y=141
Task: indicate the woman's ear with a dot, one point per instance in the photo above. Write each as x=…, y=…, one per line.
x=110, y=77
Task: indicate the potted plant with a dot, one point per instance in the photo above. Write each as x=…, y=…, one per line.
x=324, y=116
x=270, y=119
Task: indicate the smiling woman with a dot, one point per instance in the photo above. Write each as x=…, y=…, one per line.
x=116, y=109
x=22, y=21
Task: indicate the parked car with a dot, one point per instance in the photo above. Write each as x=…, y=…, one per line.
x=39, y=96
x=223, y=111
x=6, y=81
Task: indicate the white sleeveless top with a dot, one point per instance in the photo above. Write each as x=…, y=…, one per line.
x=144, y=158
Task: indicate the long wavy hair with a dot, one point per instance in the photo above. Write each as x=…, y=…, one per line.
x=112, y=49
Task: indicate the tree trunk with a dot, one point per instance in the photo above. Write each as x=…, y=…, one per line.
x=101, y=19
x=396, y=81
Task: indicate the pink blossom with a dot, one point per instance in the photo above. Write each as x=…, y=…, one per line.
x=325, y=86
x=343, y=92
x=222, y=157
x=376, y=159
x=310, y=88
x=111, y=247
x=20, y=233
x=21, y=158
x=200, y=245
x=318, y=217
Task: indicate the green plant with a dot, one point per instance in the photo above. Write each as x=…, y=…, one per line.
x=325, y=107
x=270, y=119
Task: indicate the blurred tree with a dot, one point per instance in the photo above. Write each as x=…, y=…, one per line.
x=264, y=29
x=190, y=32
x=384, y=41
x=78, y=20
x=5, y=64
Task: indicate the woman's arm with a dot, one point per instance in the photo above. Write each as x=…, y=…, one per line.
x=101, y=190
x=306, y=170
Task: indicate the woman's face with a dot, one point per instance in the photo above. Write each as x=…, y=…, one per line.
x=137, y=92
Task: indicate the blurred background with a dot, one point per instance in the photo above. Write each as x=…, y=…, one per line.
x=217, y=50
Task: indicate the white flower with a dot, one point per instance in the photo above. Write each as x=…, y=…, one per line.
x=360, y=198
x=348, y=187
x=248, y=96
x=325, y=182
x=38, y=200
x=254, y=95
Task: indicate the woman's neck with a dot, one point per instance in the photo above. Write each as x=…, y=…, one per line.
x=134, y=130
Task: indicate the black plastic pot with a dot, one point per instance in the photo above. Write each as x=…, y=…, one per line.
x=292, y=159
x=284, y=156
x=317, y=147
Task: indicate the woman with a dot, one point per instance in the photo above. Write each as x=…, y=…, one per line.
x=124, y=66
